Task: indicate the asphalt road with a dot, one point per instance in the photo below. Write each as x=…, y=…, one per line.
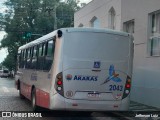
x=10, y=101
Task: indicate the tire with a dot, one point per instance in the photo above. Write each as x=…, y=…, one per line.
x=20, y=94
x=33, y=100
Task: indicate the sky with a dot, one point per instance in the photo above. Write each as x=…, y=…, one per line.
x=3, y=52
x=85, y=1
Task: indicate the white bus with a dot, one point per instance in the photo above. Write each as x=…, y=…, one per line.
x=77, y=69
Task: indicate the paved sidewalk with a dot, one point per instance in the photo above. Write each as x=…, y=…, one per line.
x=138, y=107
x=134, y=106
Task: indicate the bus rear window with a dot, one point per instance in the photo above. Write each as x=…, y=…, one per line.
x=96, y=46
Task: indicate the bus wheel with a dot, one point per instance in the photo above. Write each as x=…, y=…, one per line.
x=20, y=94
x=33, y=100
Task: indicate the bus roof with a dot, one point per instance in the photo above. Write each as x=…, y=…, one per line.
x=103, y=30
x=52, y=34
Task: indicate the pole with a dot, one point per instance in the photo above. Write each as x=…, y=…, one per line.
x=55, y=17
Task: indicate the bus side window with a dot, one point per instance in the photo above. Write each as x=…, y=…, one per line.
x=50, y=48
x=41, y=51
x=25, y=58
x=49, y=55
x=29, y=56
x=38, y=56
x=23, y=61
x=34, y=58
x=44, y=49
x=19, y=59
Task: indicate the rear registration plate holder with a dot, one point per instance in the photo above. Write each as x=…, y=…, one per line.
x=93, y=95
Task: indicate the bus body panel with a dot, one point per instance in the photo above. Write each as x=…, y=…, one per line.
x=86, y=86
x=82, y=50
x=61, y=103
x=84, y=82
x=41, y=80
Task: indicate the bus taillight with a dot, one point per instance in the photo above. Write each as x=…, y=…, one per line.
x=59, y=84
x=127, y=87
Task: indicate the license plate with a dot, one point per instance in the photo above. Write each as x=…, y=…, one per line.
x=93, y=95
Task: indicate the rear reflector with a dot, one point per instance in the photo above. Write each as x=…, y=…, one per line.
x=115, y=106
x=74, y=104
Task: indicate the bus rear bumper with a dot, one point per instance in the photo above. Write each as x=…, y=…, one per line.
x=61, y=103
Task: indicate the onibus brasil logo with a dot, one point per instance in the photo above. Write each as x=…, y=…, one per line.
x=112, y=76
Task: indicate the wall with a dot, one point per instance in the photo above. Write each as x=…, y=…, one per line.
x=146, y=69
x=100, y=9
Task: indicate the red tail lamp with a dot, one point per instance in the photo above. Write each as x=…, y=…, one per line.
x=59, y=82
x=128, y=85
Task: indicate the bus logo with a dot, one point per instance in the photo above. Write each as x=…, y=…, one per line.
x=97, y=64
x=69, y=77
x=112, y=75
x=85, y=78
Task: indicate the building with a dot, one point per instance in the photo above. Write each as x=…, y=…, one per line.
x=142, y=19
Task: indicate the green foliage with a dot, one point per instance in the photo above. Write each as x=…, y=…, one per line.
x=26, y=17
x=10, y=62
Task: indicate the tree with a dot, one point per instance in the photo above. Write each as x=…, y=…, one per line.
x=9, y=62
x=34, y=16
